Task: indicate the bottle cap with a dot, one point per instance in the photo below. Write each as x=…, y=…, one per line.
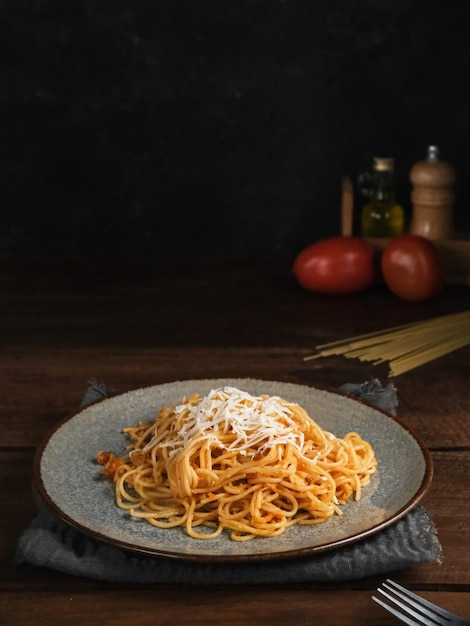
x=382, y=164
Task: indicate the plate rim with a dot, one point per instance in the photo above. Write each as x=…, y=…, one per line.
x=414, y=500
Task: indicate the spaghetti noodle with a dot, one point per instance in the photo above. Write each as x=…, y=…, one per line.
x=230, y=460
x=404, y=347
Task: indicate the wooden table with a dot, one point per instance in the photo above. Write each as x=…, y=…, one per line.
x=135, y=322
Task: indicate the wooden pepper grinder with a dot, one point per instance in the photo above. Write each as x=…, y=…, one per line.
x=432, y=197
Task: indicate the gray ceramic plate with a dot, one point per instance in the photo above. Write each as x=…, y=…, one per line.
x=69, y=480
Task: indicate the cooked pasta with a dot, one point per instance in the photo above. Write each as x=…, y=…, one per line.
x=253, y=465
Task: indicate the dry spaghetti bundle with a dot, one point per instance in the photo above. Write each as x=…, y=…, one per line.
x=404, y=347
x=230, y=460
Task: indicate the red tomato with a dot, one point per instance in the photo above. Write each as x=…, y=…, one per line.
x=338, y=265
x=412, y=268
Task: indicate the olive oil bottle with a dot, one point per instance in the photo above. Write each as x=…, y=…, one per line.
x=382, y=216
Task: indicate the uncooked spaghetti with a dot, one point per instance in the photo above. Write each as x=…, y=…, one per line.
x=254, y=465
x=404, y=347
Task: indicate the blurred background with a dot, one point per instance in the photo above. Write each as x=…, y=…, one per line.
x=210, y=126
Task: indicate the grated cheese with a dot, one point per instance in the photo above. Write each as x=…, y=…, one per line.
x=258, y=422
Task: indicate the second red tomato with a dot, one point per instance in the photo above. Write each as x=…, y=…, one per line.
x=412, y=268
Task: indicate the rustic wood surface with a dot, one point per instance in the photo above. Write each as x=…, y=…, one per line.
x=134, y=322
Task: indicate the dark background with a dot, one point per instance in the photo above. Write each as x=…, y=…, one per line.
x=192, y=126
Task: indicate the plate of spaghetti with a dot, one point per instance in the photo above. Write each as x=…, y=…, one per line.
x=231, y=469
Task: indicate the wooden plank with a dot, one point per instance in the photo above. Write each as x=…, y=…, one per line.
x=42, y=385
x=183, y=605
x=255, y=306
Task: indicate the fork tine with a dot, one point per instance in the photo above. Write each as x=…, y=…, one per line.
x=401, y=616
x=428, y=608
x=406, y=608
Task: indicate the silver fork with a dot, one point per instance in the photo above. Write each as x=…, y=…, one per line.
x=413, y=610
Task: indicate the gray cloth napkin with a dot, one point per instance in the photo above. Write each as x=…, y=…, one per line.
x=49, y=542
